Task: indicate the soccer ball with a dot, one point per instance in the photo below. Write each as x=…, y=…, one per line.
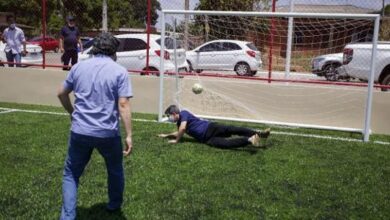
x=197, y=88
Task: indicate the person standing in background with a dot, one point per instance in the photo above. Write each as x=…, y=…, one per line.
x=14, y=38
x=69, y=40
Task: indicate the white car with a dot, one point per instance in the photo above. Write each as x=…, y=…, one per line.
x=132, y=53
x=357, y=62
x=241, y=56
x=33, y=56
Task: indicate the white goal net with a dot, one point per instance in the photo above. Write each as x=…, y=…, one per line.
x=253, y=67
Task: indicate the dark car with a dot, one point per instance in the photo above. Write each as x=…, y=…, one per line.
x=49, y=43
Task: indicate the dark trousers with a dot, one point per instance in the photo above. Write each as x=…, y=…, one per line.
x=67, y=56
x=220, y=136
x=79, y=153
x=13, y=58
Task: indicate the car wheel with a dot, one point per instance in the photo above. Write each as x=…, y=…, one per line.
x=242, y=69
x=330, y=72
x=198, y=71
x=153, y=71
x=190, y=66
x=386, y=82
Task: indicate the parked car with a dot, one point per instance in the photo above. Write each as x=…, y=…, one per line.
x=33, y=56
x=49, y=43
x=357, y=62
x=132, y=53
x=328, y=66
x=241, y=56
x=87, y=42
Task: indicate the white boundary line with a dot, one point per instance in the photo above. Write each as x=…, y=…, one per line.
x=6, y=111
x=10, y=110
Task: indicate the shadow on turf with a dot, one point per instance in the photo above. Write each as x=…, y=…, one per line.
x=249, y=149
x=98, y=212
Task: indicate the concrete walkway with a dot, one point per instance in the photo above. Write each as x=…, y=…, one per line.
x=281, y=102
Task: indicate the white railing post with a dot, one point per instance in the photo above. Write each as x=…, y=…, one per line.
x=162, y=71
x=367, y=122
x=289, y=41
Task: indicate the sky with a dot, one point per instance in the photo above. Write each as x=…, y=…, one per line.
x=179, y=4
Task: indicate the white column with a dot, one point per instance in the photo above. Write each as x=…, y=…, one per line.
x=162, y=52
x=104, y=16
x=186, y=18
x=367, y=122
x=289, y=41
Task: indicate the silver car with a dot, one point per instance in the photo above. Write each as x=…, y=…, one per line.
x=240, y=56
x=327, y=65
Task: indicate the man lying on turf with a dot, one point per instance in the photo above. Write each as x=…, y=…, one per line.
x=211, y=133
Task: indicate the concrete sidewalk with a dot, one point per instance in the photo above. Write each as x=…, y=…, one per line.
x=282, y=102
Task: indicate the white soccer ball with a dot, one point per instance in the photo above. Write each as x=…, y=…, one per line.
x=197, y=88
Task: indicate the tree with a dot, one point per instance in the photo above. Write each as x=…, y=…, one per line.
x=227, y=26
x=140, y=10
x=88, y=13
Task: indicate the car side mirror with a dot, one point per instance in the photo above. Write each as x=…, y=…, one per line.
x=197, y=51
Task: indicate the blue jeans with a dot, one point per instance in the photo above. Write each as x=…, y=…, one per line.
x=17, y=58
x=79, y=153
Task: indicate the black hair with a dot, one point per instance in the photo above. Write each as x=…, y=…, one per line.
x=106, y=44
x=172, y=109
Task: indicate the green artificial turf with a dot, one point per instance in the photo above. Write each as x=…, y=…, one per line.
x=293, y=178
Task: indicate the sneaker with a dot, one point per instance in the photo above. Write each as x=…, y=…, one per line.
x=264, y=134
x=255, y=140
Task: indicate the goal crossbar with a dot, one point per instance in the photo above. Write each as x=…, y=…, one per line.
x=274, y=14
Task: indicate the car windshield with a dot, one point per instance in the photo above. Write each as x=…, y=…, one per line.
x=169, y=43
x=252, y=46
x=88, y=44
x=36, y=39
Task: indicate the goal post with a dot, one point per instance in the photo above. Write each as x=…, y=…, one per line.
x=253, y=25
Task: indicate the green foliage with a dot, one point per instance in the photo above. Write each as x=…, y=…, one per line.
x=294, y=178
x=88, y=13
x=387, y=10
x=226, y=27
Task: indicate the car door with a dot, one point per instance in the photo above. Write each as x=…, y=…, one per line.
x=132, y=53
x=48, y=45
x=206, y=56
x=52, y=44
x=228, y=55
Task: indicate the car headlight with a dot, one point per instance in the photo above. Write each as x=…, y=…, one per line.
x=317, y=60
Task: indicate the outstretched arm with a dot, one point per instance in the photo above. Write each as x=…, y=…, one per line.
x=180, y=132
x=170, y=135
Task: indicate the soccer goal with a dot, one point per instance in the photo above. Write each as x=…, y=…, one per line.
x=258, y=67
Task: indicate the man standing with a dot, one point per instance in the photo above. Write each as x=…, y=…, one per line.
x=70, y=38
x=14, y=39
x=102, y=90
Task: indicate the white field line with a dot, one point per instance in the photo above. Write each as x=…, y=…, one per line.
x=9, y=110
x=6, y=111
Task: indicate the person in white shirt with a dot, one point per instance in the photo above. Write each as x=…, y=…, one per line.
x=14, y=39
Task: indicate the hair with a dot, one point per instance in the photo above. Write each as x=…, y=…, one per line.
x=172, y=109
x=105, y=44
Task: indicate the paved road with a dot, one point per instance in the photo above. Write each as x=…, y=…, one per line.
x=256, y=100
